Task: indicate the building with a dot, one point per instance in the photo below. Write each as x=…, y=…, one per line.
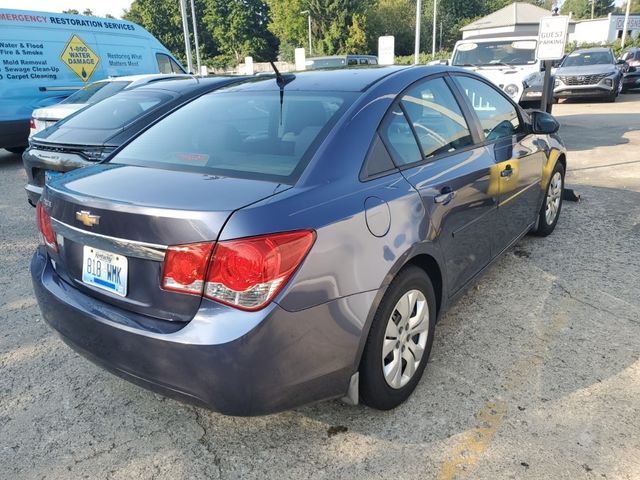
x=604, y=30
x=515, y=20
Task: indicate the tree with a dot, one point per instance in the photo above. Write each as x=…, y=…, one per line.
x=71, y=11
x=357, y=40
x=393, y=17
x=87, y=12
x=108, y=15
x=239, y=28
x=582, y=8
x=289, y=25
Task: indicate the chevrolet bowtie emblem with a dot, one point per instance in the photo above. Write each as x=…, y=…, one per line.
x=87, y=219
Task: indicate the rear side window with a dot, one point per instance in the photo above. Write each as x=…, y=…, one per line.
x=436, y=118
x=399, y=138
x=117, y=111
x=94, y=92
x=498, y=117
x=240, y=134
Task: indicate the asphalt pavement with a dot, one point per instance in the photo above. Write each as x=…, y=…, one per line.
x=535, y=372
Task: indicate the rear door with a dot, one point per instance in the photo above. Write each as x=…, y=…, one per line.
x=432, y=143
x=516, y=177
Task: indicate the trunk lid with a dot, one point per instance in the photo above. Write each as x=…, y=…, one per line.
x=135, y=212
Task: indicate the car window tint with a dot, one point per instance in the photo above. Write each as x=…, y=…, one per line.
x=95, y=92
x=436, y=118
x=175, y=68
x=498, y=117
x=399, y=138
x=117, y=111
x=241, y=134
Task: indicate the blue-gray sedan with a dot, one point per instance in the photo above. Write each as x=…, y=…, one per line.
x=292, y=239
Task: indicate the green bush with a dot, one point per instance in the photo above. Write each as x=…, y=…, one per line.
x=424, y=58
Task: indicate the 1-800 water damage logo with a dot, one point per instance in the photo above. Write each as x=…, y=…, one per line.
x=80, y=58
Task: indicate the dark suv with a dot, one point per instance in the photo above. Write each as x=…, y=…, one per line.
x=591, y=73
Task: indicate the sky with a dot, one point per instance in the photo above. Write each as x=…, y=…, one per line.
x=98, y=7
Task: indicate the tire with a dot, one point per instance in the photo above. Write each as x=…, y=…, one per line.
x=376, y=389
x=16, y=150
x=547, y=220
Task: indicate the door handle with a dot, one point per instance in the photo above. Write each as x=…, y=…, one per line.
x=445, y=196
x=507, y=172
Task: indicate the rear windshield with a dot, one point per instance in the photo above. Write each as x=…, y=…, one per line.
x=240, y=134
x=117, y=111
x=587, y=58
x=95, y=92
x=326, y=62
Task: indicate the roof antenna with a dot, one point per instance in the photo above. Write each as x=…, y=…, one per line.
x=282, y=82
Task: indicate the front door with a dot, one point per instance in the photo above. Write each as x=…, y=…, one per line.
x=431, y=143
x=516, y=177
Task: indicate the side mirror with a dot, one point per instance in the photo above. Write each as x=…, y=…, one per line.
x=632, y=69
x=620, y=61
x=543, y=123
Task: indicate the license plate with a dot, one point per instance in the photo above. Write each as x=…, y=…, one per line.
x=50, y=175
x=105, y=270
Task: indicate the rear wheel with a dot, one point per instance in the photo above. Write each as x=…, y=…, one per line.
x=399, y=341
x=550, y=210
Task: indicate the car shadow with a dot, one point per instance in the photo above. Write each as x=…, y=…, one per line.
x=588, y=131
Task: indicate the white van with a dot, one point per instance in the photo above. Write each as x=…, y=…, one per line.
x=44, y=57
x=508, y=62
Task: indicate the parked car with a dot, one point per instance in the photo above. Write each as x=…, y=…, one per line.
x=631, y=79
x=338, y=61
x=589, y=73
x=42, y=118
x=288, y=240
x=92, y=134
x=47, y=56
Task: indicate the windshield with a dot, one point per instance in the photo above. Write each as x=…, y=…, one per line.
x=117, y=111
x=326, y=62
x=507, y=52
x=587, y=58
x=95, y=92
x=240, y=134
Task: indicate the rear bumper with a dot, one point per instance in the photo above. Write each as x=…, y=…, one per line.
x=237, y=364
x=631, y=81
x=14, y=133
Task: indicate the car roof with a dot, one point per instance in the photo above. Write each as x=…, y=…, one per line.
x=188, y=83
x=353, y=79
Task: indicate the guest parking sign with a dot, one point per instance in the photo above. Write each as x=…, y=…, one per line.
x=552, y=37
x=80, y=58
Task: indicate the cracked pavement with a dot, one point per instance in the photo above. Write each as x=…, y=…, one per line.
x=535, y=372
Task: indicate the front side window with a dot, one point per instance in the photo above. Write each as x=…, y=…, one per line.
x=166, y=64
x=498, y=117
x=436, y=118
x=240, y=134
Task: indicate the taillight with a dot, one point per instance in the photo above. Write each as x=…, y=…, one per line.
x=32, y=124
x=185, y=267
x=46, y=230
x=246, y=273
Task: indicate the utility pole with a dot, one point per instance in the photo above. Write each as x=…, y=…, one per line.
x=626, y=23
x=416, y=52
x=440, y=42
x=593, y=8
x=195, y=34
x=308, y=13
x=435, y=27
x=185, y=31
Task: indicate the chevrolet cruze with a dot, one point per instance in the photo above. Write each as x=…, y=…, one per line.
x=294, y=238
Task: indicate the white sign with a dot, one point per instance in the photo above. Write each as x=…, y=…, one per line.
x=386, y=50
x=634, y=23
x=300, y=58
x=248, y=65
x=552, y=37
